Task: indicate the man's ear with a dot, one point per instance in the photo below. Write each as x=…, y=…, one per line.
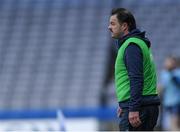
x=125, y=26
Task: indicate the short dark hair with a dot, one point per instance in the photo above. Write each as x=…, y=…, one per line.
x=123, y=15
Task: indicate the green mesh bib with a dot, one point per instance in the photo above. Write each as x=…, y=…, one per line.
x=122, y=81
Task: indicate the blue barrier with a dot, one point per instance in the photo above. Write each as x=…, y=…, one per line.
x=102, y=113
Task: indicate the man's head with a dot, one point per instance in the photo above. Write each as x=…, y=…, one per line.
x=121, y=22
x=170, y=63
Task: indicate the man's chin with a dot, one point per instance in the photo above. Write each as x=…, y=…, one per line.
x=114, y=37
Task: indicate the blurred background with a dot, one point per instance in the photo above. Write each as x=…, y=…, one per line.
x=57, y=61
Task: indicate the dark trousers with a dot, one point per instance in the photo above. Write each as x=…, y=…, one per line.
x=148, y=117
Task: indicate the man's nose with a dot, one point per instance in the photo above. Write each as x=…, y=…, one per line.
x=109, y=27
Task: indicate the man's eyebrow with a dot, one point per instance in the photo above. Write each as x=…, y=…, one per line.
x=112, y=22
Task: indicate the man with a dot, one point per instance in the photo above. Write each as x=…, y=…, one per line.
x=135, y=75
x=170, y=87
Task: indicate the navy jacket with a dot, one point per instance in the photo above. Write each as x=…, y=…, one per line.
x=133, y=60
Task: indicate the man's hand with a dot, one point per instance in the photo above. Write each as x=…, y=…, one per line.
x=119, y=112
x=134, y=119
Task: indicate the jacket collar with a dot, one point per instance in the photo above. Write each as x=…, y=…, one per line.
x=134, y=33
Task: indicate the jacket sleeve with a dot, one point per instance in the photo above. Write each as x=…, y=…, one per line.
x=134, y=63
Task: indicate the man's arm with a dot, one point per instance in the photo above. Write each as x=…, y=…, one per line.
x=134, y=63
x=176, y=80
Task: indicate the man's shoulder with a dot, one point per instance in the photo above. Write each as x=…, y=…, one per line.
x=133, y=48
